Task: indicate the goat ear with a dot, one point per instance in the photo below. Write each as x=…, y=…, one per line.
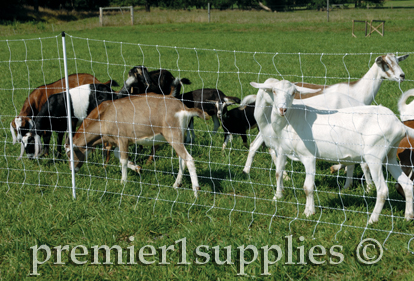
x=260, y=85
x=379, y=60
x=304, y=90
x=131, y=80
x=401, y=58
x=229, y=101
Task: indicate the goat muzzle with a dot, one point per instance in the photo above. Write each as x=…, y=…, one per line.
x=282, y=111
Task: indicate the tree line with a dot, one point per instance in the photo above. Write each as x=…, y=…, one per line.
x=7, y=9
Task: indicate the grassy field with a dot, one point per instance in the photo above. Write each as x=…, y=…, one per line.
x=399, y=4
x=233, y=209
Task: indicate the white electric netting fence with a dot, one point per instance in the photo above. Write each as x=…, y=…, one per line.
x=29, y=63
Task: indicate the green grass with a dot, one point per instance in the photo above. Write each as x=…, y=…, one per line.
x=232, y=209
x=399, y=4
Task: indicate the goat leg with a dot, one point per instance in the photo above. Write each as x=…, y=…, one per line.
x=59, y=144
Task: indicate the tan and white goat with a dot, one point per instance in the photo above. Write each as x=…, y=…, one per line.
x=146, y=120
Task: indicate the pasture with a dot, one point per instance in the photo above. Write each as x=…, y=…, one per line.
x=232, y=209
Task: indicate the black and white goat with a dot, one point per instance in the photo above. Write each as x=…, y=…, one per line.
x=211, y=101
x=239, y=120
x=157, y=81
x=53, y=114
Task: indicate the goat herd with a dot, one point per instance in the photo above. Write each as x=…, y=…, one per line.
x=302, y=121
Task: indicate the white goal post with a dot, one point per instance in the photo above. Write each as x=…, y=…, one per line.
x=131, y=8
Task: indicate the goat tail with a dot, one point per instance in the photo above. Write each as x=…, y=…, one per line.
x=248, y=100
x=403, y=107
x=112, y=83
x=177, y=84
x=196, y=112
x=185, y=81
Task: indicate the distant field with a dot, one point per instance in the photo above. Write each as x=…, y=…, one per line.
x=340, y=20
x=394, y=4
x=233, y=209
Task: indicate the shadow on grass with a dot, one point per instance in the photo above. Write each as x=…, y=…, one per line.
x=213, y=179
x=26, y=14
x=350, y=200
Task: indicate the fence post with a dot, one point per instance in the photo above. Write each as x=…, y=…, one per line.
x=327, y=8
x=208, y=11
x=72, y=163
x=100, y=16
x=132, y=14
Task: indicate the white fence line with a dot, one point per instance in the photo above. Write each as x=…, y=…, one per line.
x=216, y=167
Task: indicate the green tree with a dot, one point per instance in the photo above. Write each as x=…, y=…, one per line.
x=247, y=4
x=10, y=10
x=371, y=3
x=277, y=5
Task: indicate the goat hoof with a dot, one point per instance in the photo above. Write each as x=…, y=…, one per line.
x=138, y=169
x=308, y=213
x=278, y=195
x=371, y=220
x=246, y=170
x=409, y=217
x=286, y=176
x=177, y=185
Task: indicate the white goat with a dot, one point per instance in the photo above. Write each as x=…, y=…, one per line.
x=366, y=133
x=363, y=91
x=329, y=102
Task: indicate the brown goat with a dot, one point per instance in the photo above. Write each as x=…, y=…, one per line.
x=405, y=153
x=146, y=120
x=22, y=123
